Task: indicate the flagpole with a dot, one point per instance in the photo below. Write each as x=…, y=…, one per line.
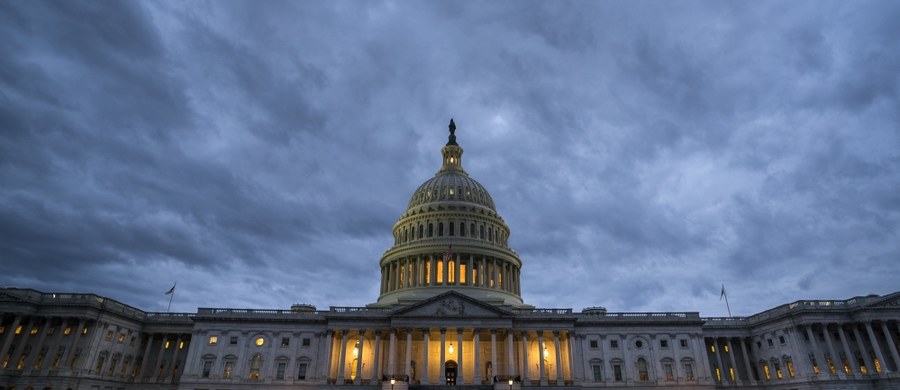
x=727, y=305
x=173, y=296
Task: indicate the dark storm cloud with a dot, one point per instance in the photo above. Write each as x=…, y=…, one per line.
x=260, y=153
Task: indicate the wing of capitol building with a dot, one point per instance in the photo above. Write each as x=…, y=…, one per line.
x=450, y=314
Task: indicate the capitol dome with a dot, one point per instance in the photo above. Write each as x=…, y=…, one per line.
x=450, y=238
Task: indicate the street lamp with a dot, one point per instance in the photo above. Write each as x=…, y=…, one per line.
x=510, y=383
x=392, y=383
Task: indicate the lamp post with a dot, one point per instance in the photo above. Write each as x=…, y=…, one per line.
x=392, y=383
x=510, y=383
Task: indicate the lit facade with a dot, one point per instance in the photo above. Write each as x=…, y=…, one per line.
x=449, y=313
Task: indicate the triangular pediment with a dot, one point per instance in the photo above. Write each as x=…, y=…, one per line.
x=452, y=304
x=890, y=300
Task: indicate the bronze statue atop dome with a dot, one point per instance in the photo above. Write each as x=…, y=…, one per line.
x=452, y=140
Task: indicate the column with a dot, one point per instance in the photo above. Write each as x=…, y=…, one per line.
x=890, y=343
x=484, y=277
x=571, y=348
x=556, y=348
x=444, y=270
x=733, y=360
x=604, y=350
x=459, y=352
x=329, y=334
x=835, y=358
x=815, y=347
x=10, y=335
x=426, y=333
x=159, y=357
x=721, y=367
x=20, y=348
x=541, y=357
x=746, y=359
x=851, y=360
x=376, y=358
x=510, y=363
x=456, y=278
x=469, y=272
x=392, y=348
x=476, y=344
x=493, y=352
x=875, y=346
x=54, y=347
x=145, y=361
x=442, y=375
x=408, y=362
x=342, y=355
x=870, y=367
x=524, y=356
x=496, y=279
x=359, y=356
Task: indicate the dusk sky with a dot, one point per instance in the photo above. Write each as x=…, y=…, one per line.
x=642, y=153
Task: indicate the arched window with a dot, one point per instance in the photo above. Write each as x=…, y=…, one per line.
x=255, y=364
x=597, y=370
x=421, y=231
x=462, y=229
x=643, y=375
x=668, y=366
x=451, y=226
x=688, y=365
x=451, y=271
x=440, y=229
x=490, y=235
x=430, y=229
x=481, y=230
x=472, y=229
x=439, y=271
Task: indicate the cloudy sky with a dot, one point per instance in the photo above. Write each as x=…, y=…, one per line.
x=642, y=154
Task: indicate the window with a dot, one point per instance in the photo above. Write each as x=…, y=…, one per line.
x=769, y=341
x=255, y=364
x=642, y=370
x=259, y=341
x=305, y=342
x=301, y=371
x=213, y=340
x=133, y=339
x=472, y=230
x=781, y=340
x=67, y=331
x=35, y=329
x=279, y=372
x=481, y=229
x=285, y=342
x=614, y=343
x=667, y=368
x=597, y=370
x=51, y=330
x=638, y=344
x=121, y=339
x=688, y=371
x=167, y=344
x=766, y=372
x=233, y=340
x=109, y=335
x=440, y=229
x=759, y=345
x=712, y=348
x=617, y=372
x=430, y=230
x=84, y=331
x=790, y=367
x=462, y=229
x=778, y=373
x=229, y=368
x=207, y=366
x=593, y=344
x=451, y=226
x=683, y=343
x=664, y=343
x=725, y=348
x=18, y=329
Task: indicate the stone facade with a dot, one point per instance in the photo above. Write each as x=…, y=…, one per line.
x=449, y=314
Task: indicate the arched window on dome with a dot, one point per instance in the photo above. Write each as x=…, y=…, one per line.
x=462, y=229
x=405, y=235
x=481, y=231
x=430, y=229
x=472, y=229
x=451, y=226
x=440, y=229
x=490, y=235
x=421, y=231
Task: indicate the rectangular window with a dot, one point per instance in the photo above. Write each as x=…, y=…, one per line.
x=229, y=366
x=790, y=367
x=34, y=330
x=279, y=373
x=593, y=344
x=51, y=331
x=598, y=370
x=213, y=340
x=769, y=341
x=18, y=329
x=664, y=343
x=285, y=342
x=766, y=372
x=207, y=366
x=85, y=330
x=688, y=371
x=301, y=371
x=121, y=339
x=233, y=340
x=305, y=343
x=778, y=371
x=667, y=368
x=2, y=329
x=617, y=372
x=683, y=343
x=614, y=343
x=109, y=335
x=758, y=345
x=67, y=331
x=781, y=340
x=462, y=271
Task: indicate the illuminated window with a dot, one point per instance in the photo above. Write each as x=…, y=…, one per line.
x=846, y=365
x=670, y=375
x=718, y=374
x=815, y=365
x=731, y=373
x=440, y=272
x=229, y=367
x=642, y=370
x=67, y=331
x=462, y=273
x=121, y=339
x=181, y=345
x=725, y=348
x=428, y=272
x=260, y=341
x=790, y=367
x=778, y=373
x=877, y=364
x=213, y=340
x=830, y=364
x=712, y=348
x=766, y=372
x=34, y=330
x=451, y=271
x=18, y=329
x=688, y=371
x=167, y=344
x=85, y=331
x=2, y=329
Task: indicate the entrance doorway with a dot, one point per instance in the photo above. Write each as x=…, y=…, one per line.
x=450, y=372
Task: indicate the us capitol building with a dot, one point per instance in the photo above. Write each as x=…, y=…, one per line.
x=450, y=314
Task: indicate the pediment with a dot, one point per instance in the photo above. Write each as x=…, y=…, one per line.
x=452, y=304
x=892, y=300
